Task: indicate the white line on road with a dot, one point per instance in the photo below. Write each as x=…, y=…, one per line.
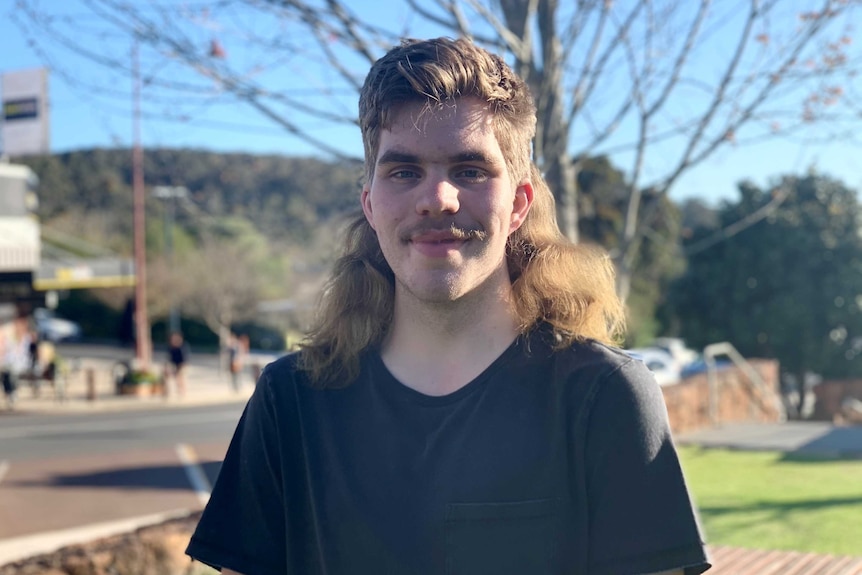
x=4, y=468
x=194, y=472
x=127, y=423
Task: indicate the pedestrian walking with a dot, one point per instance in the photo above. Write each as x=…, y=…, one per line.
x=15, y=358
x=236, y=353
x=178, y=357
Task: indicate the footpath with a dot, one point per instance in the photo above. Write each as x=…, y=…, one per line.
x=89, y=383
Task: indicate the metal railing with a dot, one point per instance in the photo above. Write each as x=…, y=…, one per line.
x=724, y=348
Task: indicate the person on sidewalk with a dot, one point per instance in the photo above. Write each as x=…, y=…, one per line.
x=14, y=358
x=236, y=353
x=458, y=406
x=178, y=357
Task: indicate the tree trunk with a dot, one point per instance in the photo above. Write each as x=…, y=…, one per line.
x=554, y=129
x=561, y=177
x=550, y=147
x=624, y=278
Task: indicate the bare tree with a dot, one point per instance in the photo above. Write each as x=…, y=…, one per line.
x=658, y=85
x=221, y=285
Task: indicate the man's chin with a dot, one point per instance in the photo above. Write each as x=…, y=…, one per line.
x=440, y=291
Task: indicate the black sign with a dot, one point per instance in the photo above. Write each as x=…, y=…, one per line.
x=17, y=287
x=23, y=109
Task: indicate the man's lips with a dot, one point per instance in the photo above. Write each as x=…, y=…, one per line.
x=436, y=245
x=439, y=242
x=436, y=238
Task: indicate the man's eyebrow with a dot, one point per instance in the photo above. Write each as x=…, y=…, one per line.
x=396, y=157
x=467, y=156
x=472, y=156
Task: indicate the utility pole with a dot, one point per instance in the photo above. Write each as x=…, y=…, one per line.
x=171, y=195
x=143, y=345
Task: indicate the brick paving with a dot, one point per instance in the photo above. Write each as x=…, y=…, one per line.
x=739, y=561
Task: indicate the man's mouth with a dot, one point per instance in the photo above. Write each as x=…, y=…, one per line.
x=437, y=244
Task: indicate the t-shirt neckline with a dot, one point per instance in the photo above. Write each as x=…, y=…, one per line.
x=383, y=377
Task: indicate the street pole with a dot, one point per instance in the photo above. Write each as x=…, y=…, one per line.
x=171, y=195
x=143, y=346
x=174, y=318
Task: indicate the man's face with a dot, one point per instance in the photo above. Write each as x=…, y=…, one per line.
x=443, y=203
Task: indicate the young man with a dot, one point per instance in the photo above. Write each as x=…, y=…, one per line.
x=456, y=408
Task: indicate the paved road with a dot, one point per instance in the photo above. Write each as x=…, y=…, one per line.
x=61, y=472
x=41, y=436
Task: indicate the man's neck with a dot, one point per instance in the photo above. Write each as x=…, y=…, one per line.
x=437, y=349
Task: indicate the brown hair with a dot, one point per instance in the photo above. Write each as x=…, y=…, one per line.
x=569, y=287
x=440, y=70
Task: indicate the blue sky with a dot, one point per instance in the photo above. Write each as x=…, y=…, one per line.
x=81, y=118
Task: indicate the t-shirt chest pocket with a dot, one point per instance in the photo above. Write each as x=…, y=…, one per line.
x=501, y=538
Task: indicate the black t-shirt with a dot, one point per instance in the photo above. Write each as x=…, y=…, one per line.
x=547, y=463
x=178, y=354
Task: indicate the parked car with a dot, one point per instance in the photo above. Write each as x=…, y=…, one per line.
x=53, y=328
x=699, y=366
x=677, y=349
x=659, y=362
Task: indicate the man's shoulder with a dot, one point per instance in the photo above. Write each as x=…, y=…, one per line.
x=285, y=368
x=587, y=364
x=587, y=355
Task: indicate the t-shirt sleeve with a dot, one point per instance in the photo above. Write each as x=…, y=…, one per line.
x=641, y=518
x=243, y=524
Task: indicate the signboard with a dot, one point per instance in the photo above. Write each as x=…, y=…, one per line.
x=84, y=274
x=25, y=117
x=22, y=109
x=17, y=287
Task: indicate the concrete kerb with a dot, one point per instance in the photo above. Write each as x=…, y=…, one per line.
x=28, y=546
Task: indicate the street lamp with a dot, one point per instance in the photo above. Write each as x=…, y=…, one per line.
x=171, y=194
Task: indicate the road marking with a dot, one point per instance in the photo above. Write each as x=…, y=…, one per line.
x=4, y=468
x=129, y=423
x=194, y=472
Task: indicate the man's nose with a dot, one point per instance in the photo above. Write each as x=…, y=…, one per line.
x=438, y=195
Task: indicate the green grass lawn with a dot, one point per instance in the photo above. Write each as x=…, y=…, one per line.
x=770, y=500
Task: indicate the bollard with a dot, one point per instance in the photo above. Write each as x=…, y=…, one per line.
x=91, y=384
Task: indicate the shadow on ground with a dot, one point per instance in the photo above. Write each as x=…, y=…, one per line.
x=166, y=477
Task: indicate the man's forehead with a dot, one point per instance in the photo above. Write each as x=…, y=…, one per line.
x=458, y=131
x=469, y=112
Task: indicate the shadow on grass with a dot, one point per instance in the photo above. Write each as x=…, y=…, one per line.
x=725, y=523
x=819, y=457
x=780, y=507
x=167, y=477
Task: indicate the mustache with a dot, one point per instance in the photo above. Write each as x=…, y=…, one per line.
x=457, y=231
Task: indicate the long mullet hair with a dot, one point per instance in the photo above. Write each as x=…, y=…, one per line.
x=569, y=287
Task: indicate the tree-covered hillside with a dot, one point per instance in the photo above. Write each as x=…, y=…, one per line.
x=285, y=197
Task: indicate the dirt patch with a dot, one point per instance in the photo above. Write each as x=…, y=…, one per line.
x=152, y=550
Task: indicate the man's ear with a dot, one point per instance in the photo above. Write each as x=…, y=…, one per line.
x=365, y=199
x=521, y=204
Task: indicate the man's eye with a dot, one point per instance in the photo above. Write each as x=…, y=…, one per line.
x=473, y=174
x=403, y=174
